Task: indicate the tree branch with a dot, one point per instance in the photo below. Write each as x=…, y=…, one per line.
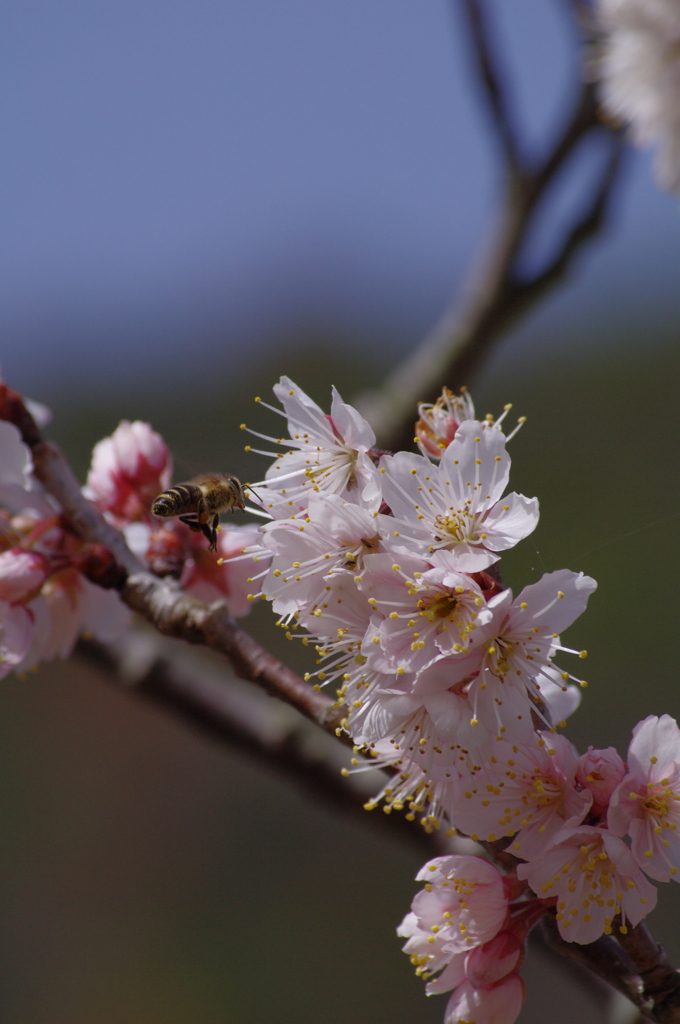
x=492, y=81
x=268, y=732
x=160, y=601
x=661, y=980
x=497, y=295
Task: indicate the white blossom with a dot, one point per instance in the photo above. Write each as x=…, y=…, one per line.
x=639, y=71
x=451, y=511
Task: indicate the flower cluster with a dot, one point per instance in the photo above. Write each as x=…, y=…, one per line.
x=639, y=68
x=470, y=924
x=388, y=565
x=46, y=598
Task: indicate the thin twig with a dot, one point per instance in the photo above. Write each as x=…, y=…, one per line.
x=498, y=295
x=491, y=77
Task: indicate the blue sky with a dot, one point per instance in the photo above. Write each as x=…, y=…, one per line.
x=218, y=169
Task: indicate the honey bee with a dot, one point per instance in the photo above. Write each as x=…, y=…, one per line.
x=199, y=502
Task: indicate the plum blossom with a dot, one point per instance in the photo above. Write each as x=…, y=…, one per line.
x=333, y=535
x=526, y=791
x=452, y=510
x=499, y=1004
x=460, y=925
x=594, y=876
x=427, y=612
x=600, y=771
x=229, y=577
x=16, y=632
x=21, y=573
x=646, y=804
x=505, y=688
x=325, y=453
x=437, y=423
x=128, y=470
x=639, y=72
x=464, y=903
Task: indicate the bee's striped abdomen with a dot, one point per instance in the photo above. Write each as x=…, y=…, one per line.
x=182, y=498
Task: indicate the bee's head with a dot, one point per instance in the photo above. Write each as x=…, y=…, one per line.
x=236, y=491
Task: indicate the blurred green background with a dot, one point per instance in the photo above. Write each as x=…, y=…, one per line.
x=150, y=876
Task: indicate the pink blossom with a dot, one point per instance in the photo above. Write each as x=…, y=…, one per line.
x=647, y=802
x=594, y=877
x=453, y=509
x=323, y=453
x=21, y=572
x=333, y=535
x=487, y=964
x=600, y=771
x=228, y=578
x=16, y=631
x=128, y=470
x=427, y=612
x=68, y=605
x=498, y=1005
x=526, y=791
x=437, y=424
x=463, y=904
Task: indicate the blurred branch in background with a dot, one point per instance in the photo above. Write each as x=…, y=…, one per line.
x=270, y=733
x=162, y=602
x=499, y=293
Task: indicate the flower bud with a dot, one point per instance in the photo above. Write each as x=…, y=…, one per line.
x=128, y=470
x=21, y=572
x=600, y=771
x=487, y=964
x=498, y=1005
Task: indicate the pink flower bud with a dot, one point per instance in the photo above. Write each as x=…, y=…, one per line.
x=487, y=964
x=21, y=572
x=128, y=470
x=498, y=1005
x=600, y=771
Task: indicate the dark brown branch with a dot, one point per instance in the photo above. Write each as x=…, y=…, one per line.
x=605, y=958
x=491, y=78
x=661, y=980
x=162, y=602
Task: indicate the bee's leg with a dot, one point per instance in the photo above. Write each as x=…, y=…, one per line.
x=210, y=532
x=191, y=520
x=210, y=535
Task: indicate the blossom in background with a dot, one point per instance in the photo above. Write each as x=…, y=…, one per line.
x=639, y=72
x=45, y=601
x=228, y=577
x=646, y=804
x=128, y=470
